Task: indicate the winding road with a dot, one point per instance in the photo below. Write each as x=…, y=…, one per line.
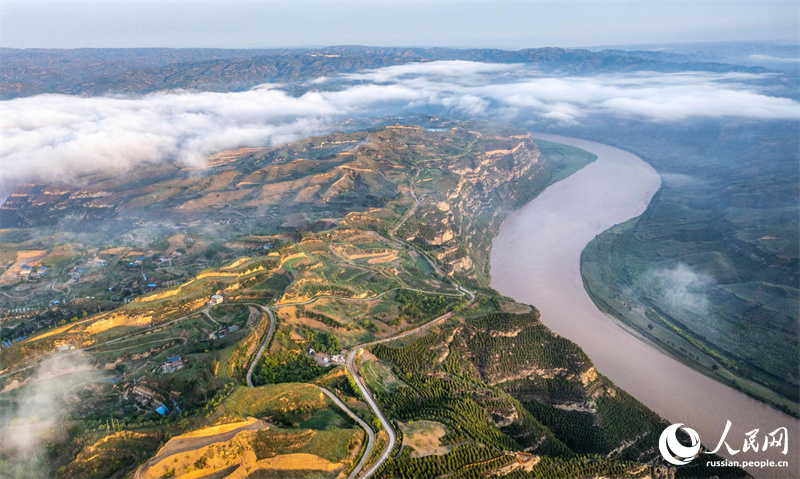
x=369, y=432
x=353, y=370
x=367, y=429
x=263, y=345
x=351, y=356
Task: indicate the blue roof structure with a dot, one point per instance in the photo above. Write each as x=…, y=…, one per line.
x=162, y=409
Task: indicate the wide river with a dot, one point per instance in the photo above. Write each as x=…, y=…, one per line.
x=536, y=260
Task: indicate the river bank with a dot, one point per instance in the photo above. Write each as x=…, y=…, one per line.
x=536, y=260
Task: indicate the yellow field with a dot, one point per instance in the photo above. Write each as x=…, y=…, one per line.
x=214, y=430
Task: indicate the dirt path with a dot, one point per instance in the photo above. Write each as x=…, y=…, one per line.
x=163, y=340
x=207, y=312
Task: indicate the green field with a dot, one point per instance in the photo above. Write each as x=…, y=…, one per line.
x=379, y=377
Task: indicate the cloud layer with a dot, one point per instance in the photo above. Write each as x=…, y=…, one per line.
x=59, y=137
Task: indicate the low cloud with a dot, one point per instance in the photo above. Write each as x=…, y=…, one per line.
x=681, y=288
x=679, y=180
x=473, y=72
x=650, y=96
x=60, y=137
x=33, y=415
x=769, y=58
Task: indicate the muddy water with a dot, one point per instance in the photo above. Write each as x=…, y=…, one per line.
x=536, y=260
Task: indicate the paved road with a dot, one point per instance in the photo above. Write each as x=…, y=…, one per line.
x=351, y=356
x=367, y=429
x=353, y=370
x=263, y=346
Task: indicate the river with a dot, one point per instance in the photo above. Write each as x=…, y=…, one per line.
x=536, y=260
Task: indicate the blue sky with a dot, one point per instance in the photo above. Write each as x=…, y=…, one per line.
x=256, y=24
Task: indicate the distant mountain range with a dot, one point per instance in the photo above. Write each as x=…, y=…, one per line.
x=28, y=72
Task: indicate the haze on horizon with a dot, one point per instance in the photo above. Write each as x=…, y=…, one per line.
x=509, y=25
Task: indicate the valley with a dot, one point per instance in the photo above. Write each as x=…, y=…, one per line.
x=389, y=311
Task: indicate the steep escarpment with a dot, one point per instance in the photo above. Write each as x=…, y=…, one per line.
x=497, y=172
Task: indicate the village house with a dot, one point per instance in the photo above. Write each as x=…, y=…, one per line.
x=97, y=262
x=221, y=333
x=173, y=364
x=24, y=271
x=40, y=271
x=144, y=394
x=138, y=261
x=215, y=299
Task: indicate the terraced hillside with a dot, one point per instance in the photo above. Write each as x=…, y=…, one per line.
x=118, y=236
x=332, y=319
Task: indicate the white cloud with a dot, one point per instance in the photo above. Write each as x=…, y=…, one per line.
x=681, y=288
x=443, y=69
x=33, y=414
x=653, y=96
x=769, y=58
x=59, y=136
